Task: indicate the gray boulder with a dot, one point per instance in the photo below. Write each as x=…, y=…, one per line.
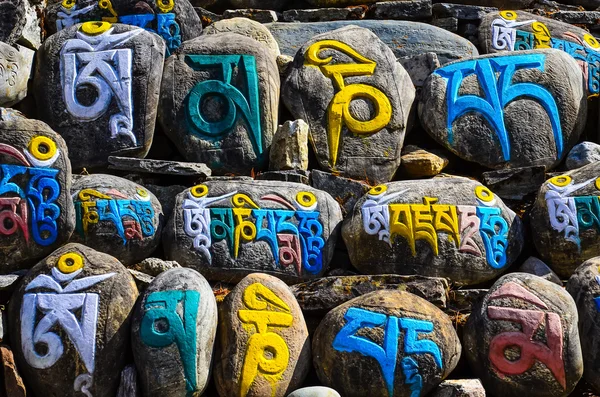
x=536, y=267
x=15, y=68
x=583, y=153
x=314, y=391
x=245, y=27
x=289, y=150
x=13, y=20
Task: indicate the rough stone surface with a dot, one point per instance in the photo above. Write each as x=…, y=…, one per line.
x=546, y=89
x=418, y=163
x=338, y=3
x=419, y=67
x=404, y=38
x=527, y=315
x=229, y=138
x=226, y=230
x=32, y=35
x=515, y=183
x=404, y=10
x=114, y=124
x=536, y=267
x=343, y=361
x=345, y=191
x=578, y=17
x=450, y=24
x=324, y=14
x=173, y=332
x=34, y=158
x=461, y=11
x=116, y=216
x=357, y=126
x=459, y=388
x=13, y=20
x=55, y=358
x=161, y=167
x=258, y=15
x=259, y=4
x=461, y=300
x=128, y=386
x=166, y=195
x=441, y=227
x=15, y=69
x=142, y=280
x=564, y=219
x=289, y=150
x=314, y=391
x=12, y=381
x=296, y=176
x=583, y=153
x=249, y=329
x=245, y=27
x=584, y=287
x=155, y=266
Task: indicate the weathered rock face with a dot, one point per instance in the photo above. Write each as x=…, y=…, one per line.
x=522, y=338
x=584, y=287
x=289, y=150
x=356, y=98
x=259, y=4
x=70, y=323
x=173, y=331
x=583, y=153
x=263, y=347
x=111, y=112
x=517, y=31
x=175, y=21
x=481, y=103
x=361, y=340
x=116, y=216
x=36, y=210
x=13, y=20
x=15, y=69
x=245, y=27
x=442, y=227
x=219, y=102
x=565, y=221
x=228, y=229
x=314, y=391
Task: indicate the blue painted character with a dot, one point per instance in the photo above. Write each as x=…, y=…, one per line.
x=312, y=242
x=494, y=233
x=166, y=27
x=410, y=368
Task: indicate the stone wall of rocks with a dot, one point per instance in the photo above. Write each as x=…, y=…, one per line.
x=299, y=198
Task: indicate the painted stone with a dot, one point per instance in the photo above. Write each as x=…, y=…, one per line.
x=175, y=21
x=441, y=227
x=245, y=27
x=36, y=211
x=404, y=38
x=482, y=102
x=522, y=338
x=15, y=69
x=565, y=219
x=100, y=83
x=519, y=30
x=70, y=328
x=13, y=20
x=116, y=216
x=219, y=102
x=173, y=332
x=402, y=344
x=229, y=229
x=263, y=347
x=356, y=99
x=584, y=287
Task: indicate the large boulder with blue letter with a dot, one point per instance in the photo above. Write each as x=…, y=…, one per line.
x=356, y=99
x=36, y=211
x=403, y=345
x=442, y=227
x=173, y=331
x=522, y=338
x=229, y=229
x=263, y=348
x=116, y=216
x=525, y=108
x=219, y=102
x=99, y=83
x=70, y=323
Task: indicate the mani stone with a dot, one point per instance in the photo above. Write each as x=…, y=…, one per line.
x=356, y=99
x=70, y=323
x=314, y=391
x=173, y=332
x=36, y=210
x=245, y=27
x=116, y=216
x=476, y=108
x=219, y=102
x=263, y=346
x=584, y=287
x=583, y=153
x=565, y=221
x=99, y=83
x=442, y=227
x=229, y=229
x=386, y=343
x=13, y=20
x=15, y=69
x=518, y=31
x=289, y=150
x=522, y=338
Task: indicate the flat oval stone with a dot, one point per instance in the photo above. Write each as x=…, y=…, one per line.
x=36, y=210
x=441, y=227
x=565, y=223
x=520, y=30
x=245, y=27
x=15, y=62
x=348, y=87
x=229, y=229
x=522, y=338
x=70, y=323
x=13, y=20
x=544, y=87
x=263, y=346
x=116, y=216
x=173, y=332
x=584, y=287
x=314, y=391
x=402, y=344
x=114, y=115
